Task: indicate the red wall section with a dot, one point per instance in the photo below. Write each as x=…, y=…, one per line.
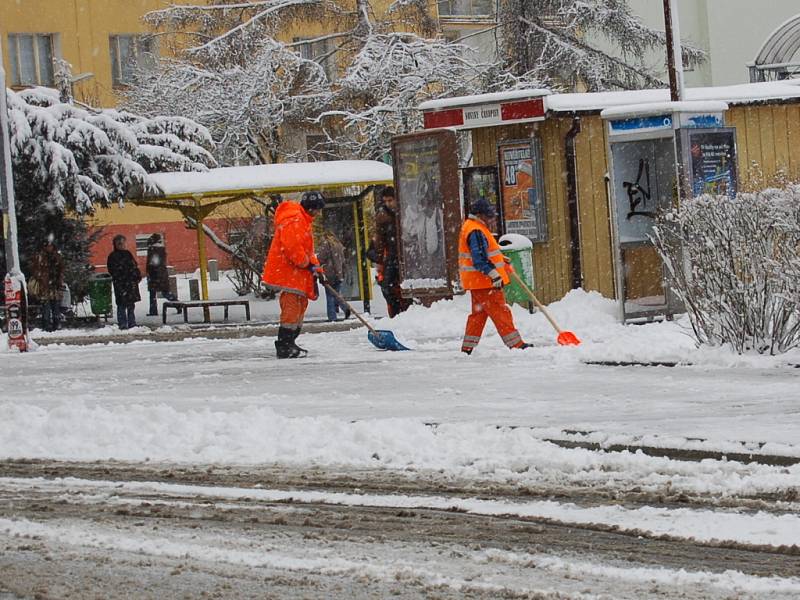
x=181, y=244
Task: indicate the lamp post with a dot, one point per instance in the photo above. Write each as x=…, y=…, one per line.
x=674, y=53
x=14, y=282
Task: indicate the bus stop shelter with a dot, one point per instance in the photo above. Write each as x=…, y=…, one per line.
x=198, y=194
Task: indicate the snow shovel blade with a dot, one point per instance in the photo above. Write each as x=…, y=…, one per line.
x=567, y=338
x=385, y=340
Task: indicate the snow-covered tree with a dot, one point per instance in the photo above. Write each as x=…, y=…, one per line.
x=253, y=91
x=556, y=41
x=735, y=263
x=67, y=160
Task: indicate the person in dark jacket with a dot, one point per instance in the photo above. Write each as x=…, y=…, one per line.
x=47, y=284
x=126, y=277
x=385, y=243
x=157, y=274
x=330, y=252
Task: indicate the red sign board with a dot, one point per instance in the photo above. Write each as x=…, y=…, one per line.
x=483, y=115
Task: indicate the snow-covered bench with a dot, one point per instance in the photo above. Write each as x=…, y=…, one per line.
x=204, y=304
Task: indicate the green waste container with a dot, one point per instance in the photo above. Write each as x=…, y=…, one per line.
x=100, y=294
x=519, y=250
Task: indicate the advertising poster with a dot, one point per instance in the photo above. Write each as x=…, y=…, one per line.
x=522, y=190
x=421, y=212
x=482, y=182
x=712, y=161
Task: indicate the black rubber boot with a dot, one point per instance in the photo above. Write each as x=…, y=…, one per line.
x=300, y=351
x=284, y=345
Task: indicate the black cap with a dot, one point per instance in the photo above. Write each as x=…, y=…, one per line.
x=387, y=191
x=312, y=201
x=482, y=206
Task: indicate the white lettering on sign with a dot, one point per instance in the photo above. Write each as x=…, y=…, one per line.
x=482, y=115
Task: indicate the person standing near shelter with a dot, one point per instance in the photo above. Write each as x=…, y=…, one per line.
x=484, y=271
x=293, y=269
x=330, y=252
x=126, y=276
x=157, y=274
x=385, y=242
x=48, y=283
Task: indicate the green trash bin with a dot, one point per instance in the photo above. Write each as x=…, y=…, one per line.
x=519, y=251
x=100, y=294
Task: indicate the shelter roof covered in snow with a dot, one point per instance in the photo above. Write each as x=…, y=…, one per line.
x=261, y=179
x=747, y=93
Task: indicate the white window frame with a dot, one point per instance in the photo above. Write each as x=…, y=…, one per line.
x=137, y=41
x=14, y=58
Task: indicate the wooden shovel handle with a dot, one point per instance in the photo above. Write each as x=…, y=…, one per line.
x=350, y=308
x=533, y=297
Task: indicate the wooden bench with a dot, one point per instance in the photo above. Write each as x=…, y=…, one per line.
x=204, y=304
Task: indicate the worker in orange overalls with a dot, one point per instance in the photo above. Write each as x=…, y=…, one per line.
x=484, y=272
x=293, y=268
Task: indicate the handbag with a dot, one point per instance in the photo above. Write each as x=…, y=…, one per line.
x=34, y=287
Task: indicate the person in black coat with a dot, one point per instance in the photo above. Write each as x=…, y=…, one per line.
x=126, y=277
x=157, y=274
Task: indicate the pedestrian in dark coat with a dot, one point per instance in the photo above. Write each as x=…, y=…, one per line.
x=47, y=284
x=157, y=274
x=126, y=277
x=385, y=242
x=330, y=252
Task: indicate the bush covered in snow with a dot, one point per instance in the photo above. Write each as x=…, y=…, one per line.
x=735, y=263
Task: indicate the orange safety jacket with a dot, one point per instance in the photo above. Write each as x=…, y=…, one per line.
x=291, y=253
x=472, y=278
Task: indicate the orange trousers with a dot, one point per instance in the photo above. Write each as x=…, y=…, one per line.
x=293, y=309
x=490, y=304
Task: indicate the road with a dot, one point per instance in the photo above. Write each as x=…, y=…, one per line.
x=122, y=530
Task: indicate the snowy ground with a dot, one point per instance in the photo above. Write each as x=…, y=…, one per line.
x=426, y=418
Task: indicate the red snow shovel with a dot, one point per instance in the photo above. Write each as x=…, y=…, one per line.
x=383, y=339
x=565, y=338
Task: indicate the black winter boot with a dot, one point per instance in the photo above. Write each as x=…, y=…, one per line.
x=284, y=345
x=300, y=351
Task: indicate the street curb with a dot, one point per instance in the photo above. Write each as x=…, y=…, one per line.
x=177, y=335
x=772, y=460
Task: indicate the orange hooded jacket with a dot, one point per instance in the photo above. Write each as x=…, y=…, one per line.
x=291, y=252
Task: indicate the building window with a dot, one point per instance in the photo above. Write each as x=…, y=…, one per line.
x=318, y=147
x=320, y=51
x=237, y=238
x=128, y=52
x=466, y=8
x=31, y=58
x=142, y=241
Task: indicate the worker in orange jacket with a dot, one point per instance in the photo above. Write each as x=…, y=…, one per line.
x=484, y=271
x=293, y=269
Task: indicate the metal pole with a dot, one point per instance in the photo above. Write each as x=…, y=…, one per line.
x=14, y=292
x=7, y=183
x=674, y=67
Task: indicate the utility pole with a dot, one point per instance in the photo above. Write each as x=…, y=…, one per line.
x=16, y=303
x=674, y=54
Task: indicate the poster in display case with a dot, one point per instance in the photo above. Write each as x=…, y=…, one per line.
x=522, y=189
x=482, y=182
x=429, y=212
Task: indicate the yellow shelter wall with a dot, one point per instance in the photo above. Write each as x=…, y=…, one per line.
x=768, y=144
x=551, y=260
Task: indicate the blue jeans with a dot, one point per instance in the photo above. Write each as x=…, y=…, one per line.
x=332, y=304
x=126, y=316
x=51, y=314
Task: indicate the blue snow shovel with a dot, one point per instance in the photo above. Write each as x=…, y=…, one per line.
x=383, y=339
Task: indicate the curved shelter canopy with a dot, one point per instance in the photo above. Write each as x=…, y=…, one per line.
x=777, y=57
x=197, y=194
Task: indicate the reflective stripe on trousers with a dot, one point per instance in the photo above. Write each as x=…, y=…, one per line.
x=490, y=304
